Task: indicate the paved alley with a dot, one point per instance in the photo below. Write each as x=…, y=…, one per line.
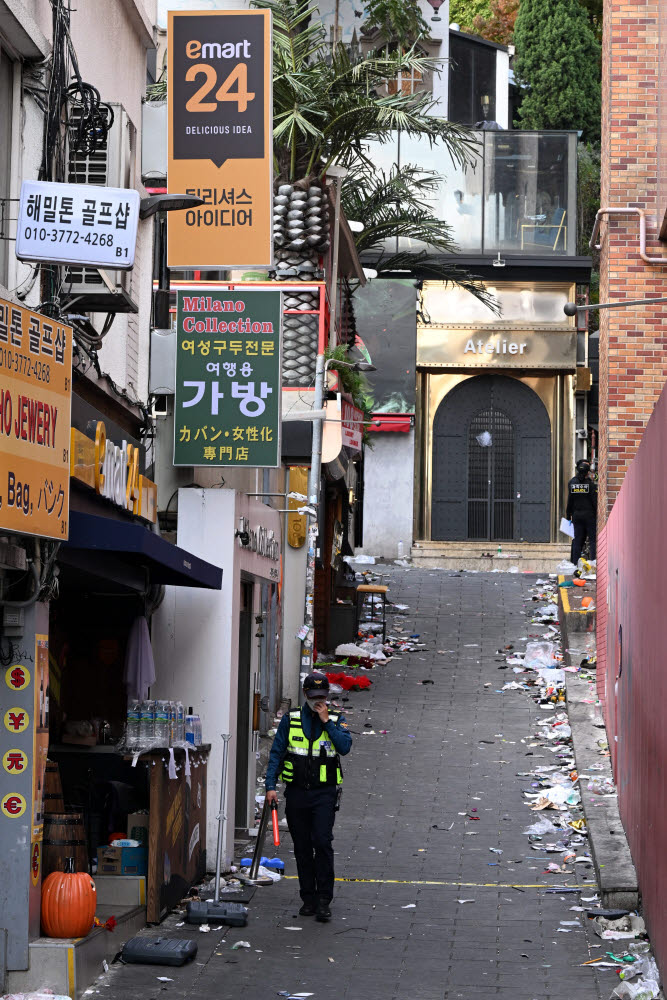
x=426, y=908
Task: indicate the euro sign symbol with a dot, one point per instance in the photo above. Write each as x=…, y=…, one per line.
x=17, y=677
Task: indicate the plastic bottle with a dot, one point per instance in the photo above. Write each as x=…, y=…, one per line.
x=500, y=550
x=180, y=722
x=401, y=550
x=132, y=723
x=172, y=723
x=190, y=727
x=198, y=739
x=162, y=723
x=147, y=722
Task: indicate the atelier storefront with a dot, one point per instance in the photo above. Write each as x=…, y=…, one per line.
x=496, y=404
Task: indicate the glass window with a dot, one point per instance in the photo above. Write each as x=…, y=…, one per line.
x=6, y=108
x=472, y=81
x=526, y=193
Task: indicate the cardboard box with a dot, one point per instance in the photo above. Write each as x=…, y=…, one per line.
x=122, y=860
x=137, y=827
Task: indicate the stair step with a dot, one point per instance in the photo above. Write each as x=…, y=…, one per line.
x=535, y=557
x=70, y=965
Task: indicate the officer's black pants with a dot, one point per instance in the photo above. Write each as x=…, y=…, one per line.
x=585, y=526
x=310, y=817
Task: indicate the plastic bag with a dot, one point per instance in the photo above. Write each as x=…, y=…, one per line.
x=541, y=828
x=645, y=989
x=565, y=568
x=539, y=654
x=601, y=786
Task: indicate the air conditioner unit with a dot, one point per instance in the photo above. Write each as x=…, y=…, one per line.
x=111, y=165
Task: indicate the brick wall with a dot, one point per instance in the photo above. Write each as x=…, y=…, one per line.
x=633, y=359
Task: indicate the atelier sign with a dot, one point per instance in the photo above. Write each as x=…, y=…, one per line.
x=35, y=407
x=220, y=138
x=442, y=347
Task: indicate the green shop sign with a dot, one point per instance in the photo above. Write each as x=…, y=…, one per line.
x=227, y=402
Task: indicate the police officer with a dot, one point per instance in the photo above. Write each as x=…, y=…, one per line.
x=582, y=506
x=306, y=755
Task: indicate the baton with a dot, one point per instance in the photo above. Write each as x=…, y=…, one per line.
x=276, y=829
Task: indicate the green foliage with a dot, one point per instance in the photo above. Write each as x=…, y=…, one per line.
x=588, y=196
x=355, y=384
x=398, y=205
x=397, y=20
x=327, y=108
x=464, y=12
x=558, y=63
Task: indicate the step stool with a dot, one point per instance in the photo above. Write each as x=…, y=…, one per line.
x=371, y=607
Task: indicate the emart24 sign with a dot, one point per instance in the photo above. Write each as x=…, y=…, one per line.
x=228, y=388
x=220, y=141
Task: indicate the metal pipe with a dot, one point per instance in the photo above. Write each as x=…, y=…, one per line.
x=571, y=310
x=226, y=737
x=628, y=210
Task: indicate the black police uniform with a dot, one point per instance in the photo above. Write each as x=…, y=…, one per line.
x=582, y=506
x=313, y=776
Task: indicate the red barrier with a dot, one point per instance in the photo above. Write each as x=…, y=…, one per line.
x=633, y=682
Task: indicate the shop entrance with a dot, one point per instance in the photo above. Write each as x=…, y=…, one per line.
x=491, y=463
x=243, y=708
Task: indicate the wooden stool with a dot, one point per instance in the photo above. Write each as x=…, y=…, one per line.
x=371, y=607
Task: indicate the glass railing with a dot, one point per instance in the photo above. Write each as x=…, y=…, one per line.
x=518, y=196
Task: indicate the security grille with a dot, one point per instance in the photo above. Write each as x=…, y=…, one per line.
x=491, y=476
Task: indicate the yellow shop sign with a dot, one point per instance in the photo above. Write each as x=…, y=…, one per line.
x=113, y=472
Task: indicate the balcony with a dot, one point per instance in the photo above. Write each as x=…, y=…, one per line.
x=517, y=198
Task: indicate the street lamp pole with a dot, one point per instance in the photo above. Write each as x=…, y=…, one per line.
x=314, y=479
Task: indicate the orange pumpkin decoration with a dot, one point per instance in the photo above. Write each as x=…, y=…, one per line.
x=69, y=899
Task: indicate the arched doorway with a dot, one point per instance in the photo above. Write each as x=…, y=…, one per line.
x=491, y=476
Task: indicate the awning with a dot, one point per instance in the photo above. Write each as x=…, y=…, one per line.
x=138, y=546
x=400, y=423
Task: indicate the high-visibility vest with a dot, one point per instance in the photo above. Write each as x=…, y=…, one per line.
x=310, y=764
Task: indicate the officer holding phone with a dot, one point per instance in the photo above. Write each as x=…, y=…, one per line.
x=306, y=755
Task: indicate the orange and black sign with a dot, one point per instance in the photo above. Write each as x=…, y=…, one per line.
x=220, y=138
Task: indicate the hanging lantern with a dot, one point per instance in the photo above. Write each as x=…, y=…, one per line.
x=69, y=899
x=436, y=5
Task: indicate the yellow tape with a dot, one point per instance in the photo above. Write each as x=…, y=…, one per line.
x=467, y=885
x=71, y=978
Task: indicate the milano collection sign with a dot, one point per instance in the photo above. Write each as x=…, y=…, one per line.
x=220, y=138
x=227, y=403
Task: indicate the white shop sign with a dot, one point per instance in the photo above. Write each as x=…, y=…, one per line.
x=77, y=224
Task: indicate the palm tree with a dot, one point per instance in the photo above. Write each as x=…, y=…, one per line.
x=395, y=207
x=327, y=108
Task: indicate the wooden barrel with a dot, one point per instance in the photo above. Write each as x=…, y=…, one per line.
x=53, y=789
x=64, y=837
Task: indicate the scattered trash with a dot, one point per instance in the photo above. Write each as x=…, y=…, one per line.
x=240, y=944
x=164, y=979
x=624, y=928
x=409, y=906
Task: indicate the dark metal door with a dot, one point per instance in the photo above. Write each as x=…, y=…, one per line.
x=495, y=492
x=491, y=476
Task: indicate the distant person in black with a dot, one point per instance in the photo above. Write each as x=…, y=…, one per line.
x=582, y=508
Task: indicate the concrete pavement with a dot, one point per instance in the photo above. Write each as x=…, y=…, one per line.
x=423, y=807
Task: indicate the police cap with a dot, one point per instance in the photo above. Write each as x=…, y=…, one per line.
x=316, y=685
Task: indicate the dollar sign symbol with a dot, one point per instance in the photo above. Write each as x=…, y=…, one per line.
x=17, y=676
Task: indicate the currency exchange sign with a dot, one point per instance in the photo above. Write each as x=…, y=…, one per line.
x=227, y=402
